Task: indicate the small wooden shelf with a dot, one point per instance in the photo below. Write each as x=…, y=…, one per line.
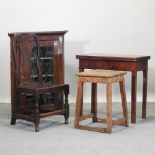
x=42, y=58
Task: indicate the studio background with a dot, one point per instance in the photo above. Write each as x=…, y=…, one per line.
x=124, y=27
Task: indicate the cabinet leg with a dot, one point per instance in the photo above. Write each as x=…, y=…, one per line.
x=14, y=108
x=13, y=120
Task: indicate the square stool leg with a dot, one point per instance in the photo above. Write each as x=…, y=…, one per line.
x=78, y=103
x=94, y=101
x=124, y=102
x=109, y=106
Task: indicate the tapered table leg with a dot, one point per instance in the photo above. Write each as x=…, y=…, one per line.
x=81, y=111
x=94, y=101
x=133, y=96
x=145, y=79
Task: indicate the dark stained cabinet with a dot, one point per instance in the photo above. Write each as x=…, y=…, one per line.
x=52, y=57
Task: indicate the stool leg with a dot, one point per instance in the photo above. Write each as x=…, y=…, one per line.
x=78, y=103
x=109, y=106
x=124, y=102
x=94, y=101
x=81, y=100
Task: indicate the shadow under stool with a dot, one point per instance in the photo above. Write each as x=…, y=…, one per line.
x=100, y=76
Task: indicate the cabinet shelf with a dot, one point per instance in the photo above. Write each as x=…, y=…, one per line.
x=42, y=58
x=44, y=75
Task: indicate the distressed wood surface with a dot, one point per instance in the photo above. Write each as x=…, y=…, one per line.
x=83, y=78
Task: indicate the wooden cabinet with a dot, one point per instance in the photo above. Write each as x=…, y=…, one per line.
x=52, y=55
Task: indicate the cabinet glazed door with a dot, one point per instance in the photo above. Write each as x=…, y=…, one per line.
x=52, y=66
x=58, y=63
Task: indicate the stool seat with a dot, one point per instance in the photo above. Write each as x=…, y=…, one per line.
x=101, y=73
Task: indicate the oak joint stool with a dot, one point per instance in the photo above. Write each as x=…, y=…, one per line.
x=100, y=76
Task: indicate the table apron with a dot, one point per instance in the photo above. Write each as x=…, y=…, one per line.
x=113, y=65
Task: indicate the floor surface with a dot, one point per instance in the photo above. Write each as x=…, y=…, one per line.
x=56, y=138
